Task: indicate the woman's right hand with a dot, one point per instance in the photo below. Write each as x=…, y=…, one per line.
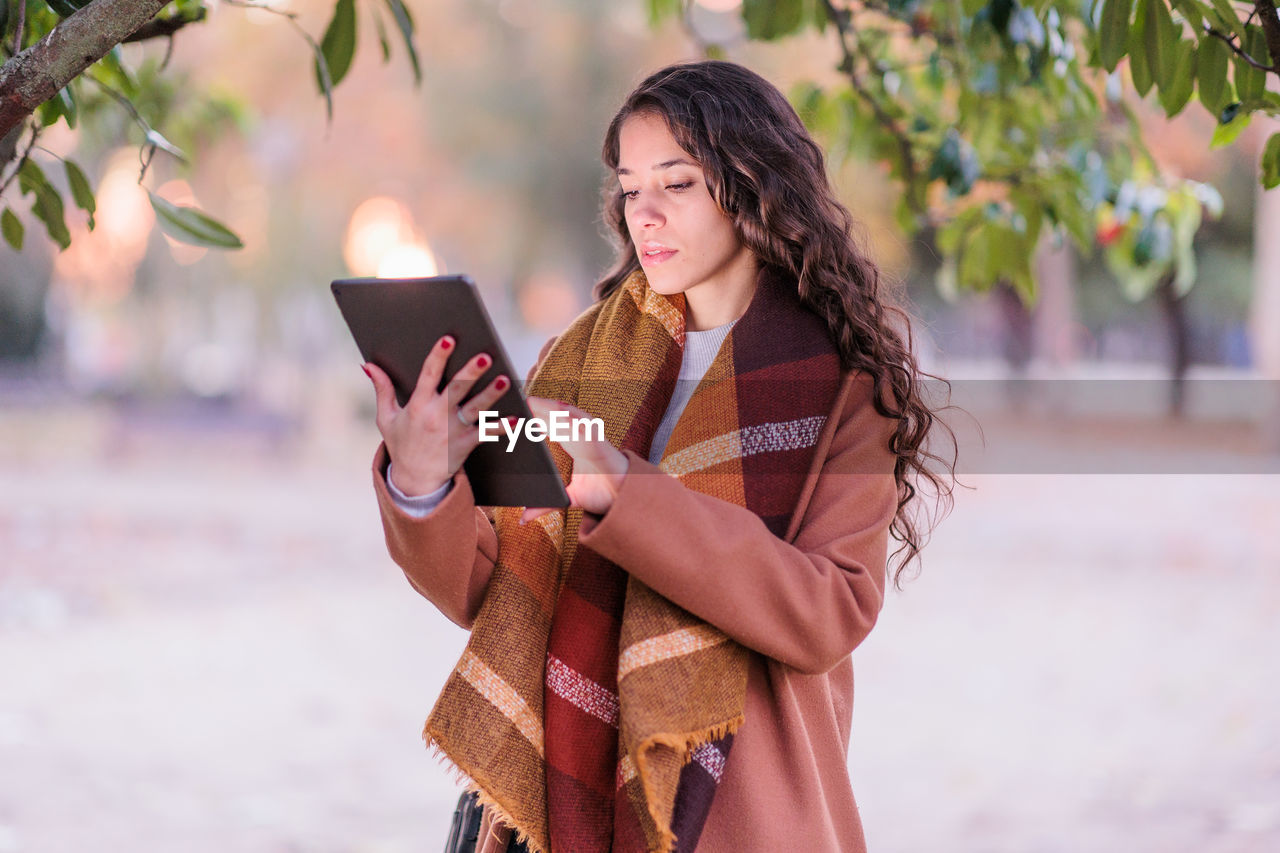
x=426, y=438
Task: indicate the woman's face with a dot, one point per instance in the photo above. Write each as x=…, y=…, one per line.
x=684, y=241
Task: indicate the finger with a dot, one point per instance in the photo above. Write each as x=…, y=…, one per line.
x=544, y=406
x=464, y=440
x=460, y=385
x=533, y=513
x=433, y=368
x=383, y=391
x=485, y=400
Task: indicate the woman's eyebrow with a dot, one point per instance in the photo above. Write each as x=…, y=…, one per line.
x=666, y=164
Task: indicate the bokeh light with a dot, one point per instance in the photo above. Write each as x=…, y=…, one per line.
x=99, y=265
x=407, y=260
x=381, y=227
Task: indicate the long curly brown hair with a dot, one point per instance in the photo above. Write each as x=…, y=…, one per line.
x=768, y=175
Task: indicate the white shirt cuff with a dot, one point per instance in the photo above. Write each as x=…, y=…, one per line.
x=417, y=506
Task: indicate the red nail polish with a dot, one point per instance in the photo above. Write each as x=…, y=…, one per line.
x=482, y=361
x=501, y=383
x=366, y=371
x=445, y=343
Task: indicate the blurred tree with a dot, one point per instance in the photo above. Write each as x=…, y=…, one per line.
x=998, y=119
x=54, y=50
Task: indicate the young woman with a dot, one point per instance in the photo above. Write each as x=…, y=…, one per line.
x=666, y=664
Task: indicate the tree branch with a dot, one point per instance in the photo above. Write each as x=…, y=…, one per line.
x=1266, y=10
x=18, y=26
x=850, y=66
x=162, y=27
x=35, y=75
x=1270, y=27
x=35, y=134
x=1238, y=51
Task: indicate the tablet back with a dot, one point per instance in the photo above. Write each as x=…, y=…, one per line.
x=396, y=322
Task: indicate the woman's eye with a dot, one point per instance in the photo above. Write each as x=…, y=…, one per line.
x=630, y=194
x=680, y=187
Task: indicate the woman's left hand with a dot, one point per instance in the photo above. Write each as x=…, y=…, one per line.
x=598, y=466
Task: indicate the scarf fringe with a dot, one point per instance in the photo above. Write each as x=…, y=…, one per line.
x=460, y=776
x=683, y=745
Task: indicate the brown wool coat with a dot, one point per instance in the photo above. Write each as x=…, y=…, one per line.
x=801, y=604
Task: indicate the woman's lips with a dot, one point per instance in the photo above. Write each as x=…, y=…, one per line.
x=650, y=260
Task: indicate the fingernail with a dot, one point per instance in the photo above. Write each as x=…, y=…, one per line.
x=482, y=361
x=446, y=343
x=366, y=370
x=512, y=419
x=501, y=383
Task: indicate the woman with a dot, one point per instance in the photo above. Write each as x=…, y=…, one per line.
x=665, y=665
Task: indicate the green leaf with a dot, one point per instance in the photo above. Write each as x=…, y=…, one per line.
x=405, y=23
x=1114, y=33
x=1271, y=162
x=1010, y=259
x=818, y=17
x=322, y=73
x=59, y=106
x=1175, y=96
x=381, y=27
x=772, y=19
x=1139, y=70
x=48, y=202
x=12, y=228
x=1252, y=82
x=190, y=225
x=1211, y=71
x=1225, y=134
x=1158, y=44
x=64, y=8
x=1190, y=10
x=1067, y=211
x=974, y=268
x=660, y=10
x=1184, y=209
x=80, y=190
x=339, y=43
x=1228, y=15
x=951, y=233
x=48, y=209
x=154, y=137
x=1029, y=207
x=68, y=104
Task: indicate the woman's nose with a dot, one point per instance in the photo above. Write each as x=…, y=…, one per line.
x=646, y=212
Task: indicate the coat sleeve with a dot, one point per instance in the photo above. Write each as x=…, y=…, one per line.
x=449, y=554
x=806, y=603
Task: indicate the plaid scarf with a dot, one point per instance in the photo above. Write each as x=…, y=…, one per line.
x=589, y=712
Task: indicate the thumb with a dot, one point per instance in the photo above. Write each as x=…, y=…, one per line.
x=383, y=391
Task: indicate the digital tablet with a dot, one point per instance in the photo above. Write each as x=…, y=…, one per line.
x=396, y=322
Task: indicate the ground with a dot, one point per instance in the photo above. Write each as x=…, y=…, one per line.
x=204, y=647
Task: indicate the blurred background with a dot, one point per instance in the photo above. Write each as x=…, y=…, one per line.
x=204, y=646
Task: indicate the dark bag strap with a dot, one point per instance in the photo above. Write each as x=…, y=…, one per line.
x=464, y=831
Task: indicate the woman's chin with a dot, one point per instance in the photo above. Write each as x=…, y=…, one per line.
x=664, y=284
